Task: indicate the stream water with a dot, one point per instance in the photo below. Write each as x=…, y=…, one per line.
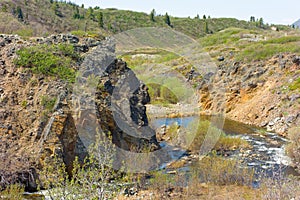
x=266, y=154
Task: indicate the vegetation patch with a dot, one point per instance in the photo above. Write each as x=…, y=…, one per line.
x=48, y=102
x=261, y=50
x=50, y=60
x=169, y=88
x=222, y=37
x=220, y=171
x=295, y=85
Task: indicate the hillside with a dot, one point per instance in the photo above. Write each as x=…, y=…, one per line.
x=259, y=69
x=42, y=18
x=63, y=82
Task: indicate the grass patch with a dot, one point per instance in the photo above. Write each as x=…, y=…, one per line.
x=228, y=143
x=224, y=143
x=220, y=171
x=260, y=50
x=222, y=37
x=196, y=132
x=282, y=40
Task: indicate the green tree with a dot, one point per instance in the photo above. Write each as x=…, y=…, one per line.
x=206, y=30
x=261, y=22
x=55, y=8
x=76, y=14
x=152, y=15
x=90, y=13
x=252, y=19
x=197, y=16
x=204, y=16
x=20, y=13
x=167, y=19
x=100, y=19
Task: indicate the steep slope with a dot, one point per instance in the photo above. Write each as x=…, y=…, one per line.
x=41, y=17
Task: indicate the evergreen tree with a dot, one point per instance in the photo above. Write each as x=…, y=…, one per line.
x=206, y=27
x=76, y=14
x=20, y=13
x=204, y=16
x=152, y=15
x=261, y=23
x=197, y=16
x=252, y=19
x=90, y=13
x=56, y=10
x=100, y=19
x=167, y=19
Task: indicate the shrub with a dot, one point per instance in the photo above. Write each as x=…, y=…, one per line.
x=161, y=181
x=95, y=178
x=220, y=171
x=279, y=186
x=13, y=192
x=47, y=102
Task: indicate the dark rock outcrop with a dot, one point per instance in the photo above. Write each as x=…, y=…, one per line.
x=31, y=134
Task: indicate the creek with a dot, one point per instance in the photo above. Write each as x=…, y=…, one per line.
x=266, y=153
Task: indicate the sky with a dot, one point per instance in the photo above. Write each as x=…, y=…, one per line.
x=273, y=12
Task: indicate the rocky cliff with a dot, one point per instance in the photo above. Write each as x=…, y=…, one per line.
x=38, y=117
